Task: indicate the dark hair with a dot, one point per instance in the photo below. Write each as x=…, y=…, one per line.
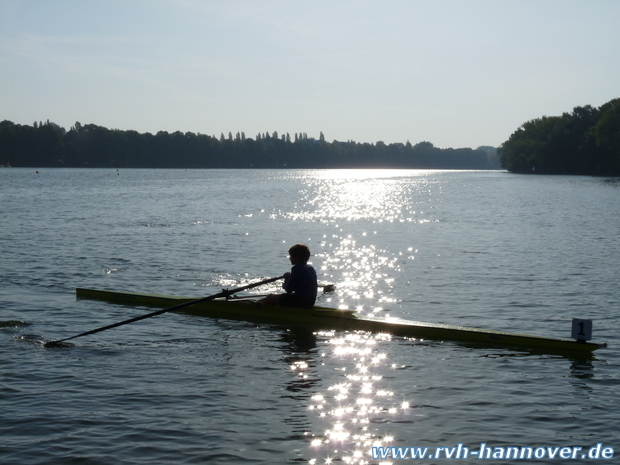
x=300, y=251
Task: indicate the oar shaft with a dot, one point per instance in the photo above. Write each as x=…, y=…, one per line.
x=224, y=293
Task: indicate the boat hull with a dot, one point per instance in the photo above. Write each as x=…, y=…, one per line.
x=329, y=318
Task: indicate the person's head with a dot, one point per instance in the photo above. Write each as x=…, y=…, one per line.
x=300, y=253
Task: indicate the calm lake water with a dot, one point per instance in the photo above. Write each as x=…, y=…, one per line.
x=485, y=249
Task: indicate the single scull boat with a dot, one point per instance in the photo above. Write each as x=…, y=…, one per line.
x=330, y=318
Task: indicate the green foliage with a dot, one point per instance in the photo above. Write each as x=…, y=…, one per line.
x=95, y=146
x=586, y=141
x=607, y=131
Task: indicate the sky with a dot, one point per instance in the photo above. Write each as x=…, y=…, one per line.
x=456, y=73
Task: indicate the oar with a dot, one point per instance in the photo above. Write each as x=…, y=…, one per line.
x=224, y=293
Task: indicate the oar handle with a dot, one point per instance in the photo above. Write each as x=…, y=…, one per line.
x=224, y=293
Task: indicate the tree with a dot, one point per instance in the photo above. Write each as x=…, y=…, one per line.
x=581, y=142
x=607, y=129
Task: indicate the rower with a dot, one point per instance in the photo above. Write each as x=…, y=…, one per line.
x=300, y=284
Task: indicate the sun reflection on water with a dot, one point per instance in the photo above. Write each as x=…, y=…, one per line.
x=364, y=273
x=350, y=410
x=379, y=195
x=347, y=206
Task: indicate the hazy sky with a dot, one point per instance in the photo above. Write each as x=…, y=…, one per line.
x=457, y=73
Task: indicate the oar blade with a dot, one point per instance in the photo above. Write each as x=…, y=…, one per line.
x=57, y=345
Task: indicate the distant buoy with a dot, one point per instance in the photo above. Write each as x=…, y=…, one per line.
x=37, y=172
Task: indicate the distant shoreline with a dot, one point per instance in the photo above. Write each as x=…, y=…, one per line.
x=91, y=146
x=112, y=168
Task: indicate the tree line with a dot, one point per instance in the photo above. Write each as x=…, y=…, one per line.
x=585, y=142
x=49, y=145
